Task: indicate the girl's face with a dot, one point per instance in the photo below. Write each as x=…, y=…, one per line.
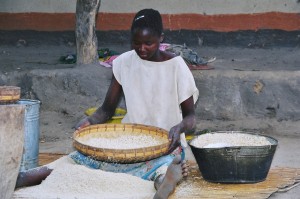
x=146, y=44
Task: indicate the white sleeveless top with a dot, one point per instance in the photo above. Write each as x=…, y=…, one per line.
x=154, y=90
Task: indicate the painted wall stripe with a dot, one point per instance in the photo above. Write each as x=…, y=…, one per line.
x=122, y=21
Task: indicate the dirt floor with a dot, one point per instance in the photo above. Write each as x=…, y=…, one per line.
x=56, y=127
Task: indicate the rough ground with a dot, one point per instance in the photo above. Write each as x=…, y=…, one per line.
x=56, y=122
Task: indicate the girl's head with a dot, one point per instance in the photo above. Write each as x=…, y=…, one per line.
x=148, y=19
x=146, y=34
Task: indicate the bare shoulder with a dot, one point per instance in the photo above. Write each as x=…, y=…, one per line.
x=167, y=55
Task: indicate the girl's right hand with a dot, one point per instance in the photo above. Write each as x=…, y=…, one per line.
x=93, y=119
x=83, y=123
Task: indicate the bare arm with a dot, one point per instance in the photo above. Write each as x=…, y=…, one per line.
x=32, y=176
x=106, y=111
x=187, y=124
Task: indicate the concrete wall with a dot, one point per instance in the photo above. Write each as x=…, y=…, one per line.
x=217, y=15
x=209, y=7
x=265, y=101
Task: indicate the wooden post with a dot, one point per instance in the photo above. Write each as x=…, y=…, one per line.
x=11, y=141
x=86, y=39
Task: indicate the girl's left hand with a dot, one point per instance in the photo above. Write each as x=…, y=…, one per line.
x=174, y=137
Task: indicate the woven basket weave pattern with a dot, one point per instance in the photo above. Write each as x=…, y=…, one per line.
x=9, y=94
x=121, y=155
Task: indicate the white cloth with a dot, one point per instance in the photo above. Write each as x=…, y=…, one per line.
x=154, y=90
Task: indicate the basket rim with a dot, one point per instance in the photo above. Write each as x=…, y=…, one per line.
x=120, y=150
x=10, y=87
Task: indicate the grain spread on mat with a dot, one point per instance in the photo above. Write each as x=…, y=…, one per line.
x=69, y=180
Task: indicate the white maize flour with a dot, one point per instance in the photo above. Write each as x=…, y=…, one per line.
x=123, y=141
x=218, y=140
x=71, y=181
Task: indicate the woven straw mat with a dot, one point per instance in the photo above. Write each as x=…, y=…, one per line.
x=195, y=187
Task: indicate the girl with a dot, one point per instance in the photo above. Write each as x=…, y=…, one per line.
x=158, y=86
x=159, y=90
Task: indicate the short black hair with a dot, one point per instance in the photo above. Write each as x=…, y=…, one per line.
x=148, y=18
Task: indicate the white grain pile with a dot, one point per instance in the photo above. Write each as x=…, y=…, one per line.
x=219, y=140
x=69, y=181
x=123, y=141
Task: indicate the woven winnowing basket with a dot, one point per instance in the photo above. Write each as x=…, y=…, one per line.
x=121, y=155
x=9, y=94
